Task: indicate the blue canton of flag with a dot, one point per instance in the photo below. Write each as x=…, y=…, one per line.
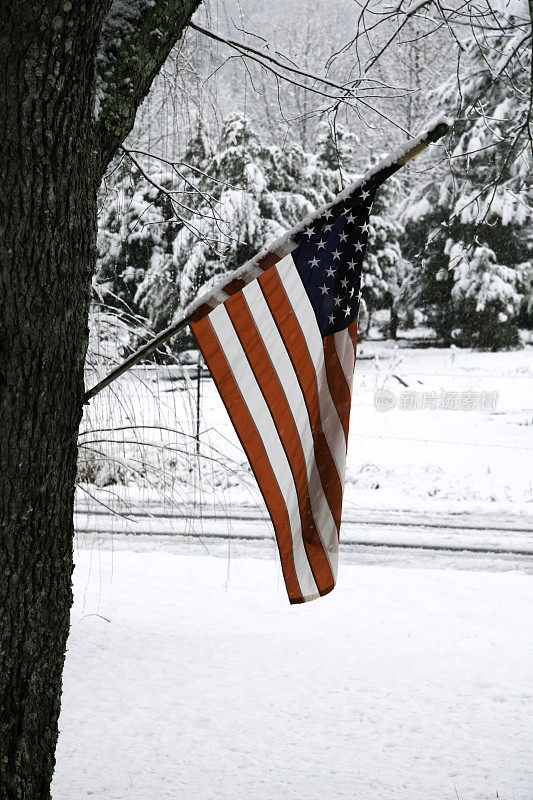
x=329, y=260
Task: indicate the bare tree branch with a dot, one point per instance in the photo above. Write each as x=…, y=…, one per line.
x=279, y=69
x=176, y=204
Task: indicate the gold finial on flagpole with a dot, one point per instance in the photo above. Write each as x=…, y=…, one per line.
x=439, y=130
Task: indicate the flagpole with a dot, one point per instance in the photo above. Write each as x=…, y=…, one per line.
x=412, y=148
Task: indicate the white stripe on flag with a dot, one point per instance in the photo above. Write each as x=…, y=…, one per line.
x=304, y=313
x=253, y=273
x=282, y=366
x=219, y=297
x=344, y=348
x=260, y=414
x=286, y=248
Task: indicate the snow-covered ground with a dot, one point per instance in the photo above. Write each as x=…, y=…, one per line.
x=432, y=457
x=191, y=676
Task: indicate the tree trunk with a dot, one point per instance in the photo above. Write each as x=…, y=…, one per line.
x=394, y=320
x=368, y=320
x=52, y=155
x=47, y=252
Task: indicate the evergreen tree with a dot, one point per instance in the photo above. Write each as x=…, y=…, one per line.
x=486, y=297
x=483, y=205
x=140, y=216
x=135, y=232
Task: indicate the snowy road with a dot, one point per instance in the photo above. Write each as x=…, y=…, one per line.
x=474, y=541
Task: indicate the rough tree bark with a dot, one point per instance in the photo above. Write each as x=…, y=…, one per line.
x=53, y=151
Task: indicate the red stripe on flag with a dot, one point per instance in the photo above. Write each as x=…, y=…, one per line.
x=302, y=363
x=352, y=330
x=253, y=446
x=268, y=261
x=338, y=387
x=274, y=395
x=234, y=286
x=200, y=312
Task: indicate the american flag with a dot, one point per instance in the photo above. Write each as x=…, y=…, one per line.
x=280, y=341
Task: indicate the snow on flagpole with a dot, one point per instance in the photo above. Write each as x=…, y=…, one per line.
x=438, y=128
